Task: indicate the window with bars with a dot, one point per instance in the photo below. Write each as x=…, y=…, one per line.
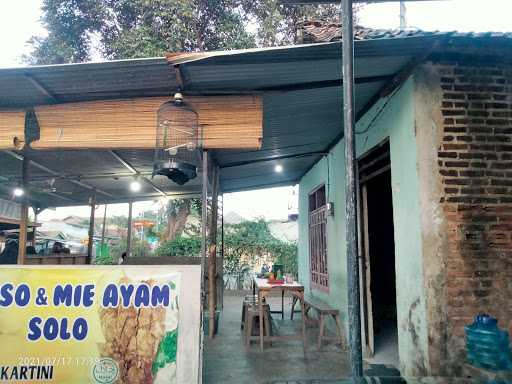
x=318, y=238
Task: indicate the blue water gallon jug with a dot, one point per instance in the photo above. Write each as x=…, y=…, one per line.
x=488, y=346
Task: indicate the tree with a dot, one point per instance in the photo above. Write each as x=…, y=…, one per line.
x=277, y=23
x=181, y=246
x=137, y=28
x=70, y=25
x=178, y=211
x=244, y=244
x=121, y=29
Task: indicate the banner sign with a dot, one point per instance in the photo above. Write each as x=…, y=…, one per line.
x=88, y=325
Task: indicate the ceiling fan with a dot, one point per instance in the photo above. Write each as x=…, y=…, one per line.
x=47, y=186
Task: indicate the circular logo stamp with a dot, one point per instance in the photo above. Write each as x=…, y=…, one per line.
x=105, y=371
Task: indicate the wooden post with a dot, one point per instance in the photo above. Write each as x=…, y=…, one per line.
x=36, y=211
x=212, y=255
x=129, y=230
x=92, y=202
x=103, y=227
x=22, y=237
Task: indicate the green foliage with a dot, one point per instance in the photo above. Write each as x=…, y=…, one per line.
x=70, y=25
x=122, y=29
x=104, y=259
x=244, y=243
x=175, y=205
x=181, y=246
x=118, y=220
x=139, y=248
x=286, y=255
x=277, y=23
x=137, y=28
x=196, y=206
x=251, y=240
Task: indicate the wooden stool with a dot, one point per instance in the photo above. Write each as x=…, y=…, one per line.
x=323, y=310
x=248, y=300
x=294, y=301
x=251, y=317
x=336, y=316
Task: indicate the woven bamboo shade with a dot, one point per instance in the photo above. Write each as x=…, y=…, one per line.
x=12, y=125
x=224, y=122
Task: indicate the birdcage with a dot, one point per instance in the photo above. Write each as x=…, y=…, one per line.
x=177, y=141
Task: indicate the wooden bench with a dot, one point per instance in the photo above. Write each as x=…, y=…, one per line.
x=323, y=310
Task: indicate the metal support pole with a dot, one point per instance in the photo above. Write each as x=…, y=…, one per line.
x=354, y=318
x=129, y=230
x=92, y=203
x=212, y=255
x=403, y=15
x=204, y=224
x=204, y=218
x=22, y=236
x=222, y=252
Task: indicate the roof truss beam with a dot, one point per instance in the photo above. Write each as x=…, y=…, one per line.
x=130, y=167
x=56, y=174
x=41, y=88
x=325, y=84
x=52, y=194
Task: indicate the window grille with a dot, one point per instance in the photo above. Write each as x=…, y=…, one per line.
x=318, y=239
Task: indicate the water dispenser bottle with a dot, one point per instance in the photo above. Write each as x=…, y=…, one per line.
x=488, y=346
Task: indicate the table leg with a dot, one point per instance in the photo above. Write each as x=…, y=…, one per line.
x=303, y=320
x=282, y=304
x=260, y=301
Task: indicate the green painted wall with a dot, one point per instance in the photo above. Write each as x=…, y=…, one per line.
x=392, y=118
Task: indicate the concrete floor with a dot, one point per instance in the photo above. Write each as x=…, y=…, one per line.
x=226, y=359
x=386, y=346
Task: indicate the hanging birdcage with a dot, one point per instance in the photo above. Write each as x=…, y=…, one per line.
x=177, y=141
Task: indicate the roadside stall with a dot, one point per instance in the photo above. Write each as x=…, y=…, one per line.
x=96, y=141
x=105, y=133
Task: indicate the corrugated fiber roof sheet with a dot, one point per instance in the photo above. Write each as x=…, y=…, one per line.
x=302, y=97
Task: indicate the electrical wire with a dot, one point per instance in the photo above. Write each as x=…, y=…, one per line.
x=379, y=112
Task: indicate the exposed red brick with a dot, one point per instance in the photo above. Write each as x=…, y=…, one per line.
x=475, y=169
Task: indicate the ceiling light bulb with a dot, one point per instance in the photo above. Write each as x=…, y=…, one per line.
x=278, y=168
x=135, y=186
x=191, y=146
x=18, y=192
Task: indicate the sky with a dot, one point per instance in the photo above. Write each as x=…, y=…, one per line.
x=270, y=203
x=19, y=20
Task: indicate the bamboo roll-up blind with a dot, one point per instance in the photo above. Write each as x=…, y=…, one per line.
x=225, y=122
x=12, y=125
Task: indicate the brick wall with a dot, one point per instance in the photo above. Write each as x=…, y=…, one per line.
x=475, y=166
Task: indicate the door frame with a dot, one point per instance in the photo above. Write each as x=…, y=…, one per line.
x=365, y=279
x=378, y=154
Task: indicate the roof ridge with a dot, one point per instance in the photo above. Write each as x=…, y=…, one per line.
x=321, y=31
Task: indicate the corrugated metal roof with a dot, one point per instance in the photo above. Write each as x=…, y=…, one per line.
x=302, y=97
x=26, y=86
